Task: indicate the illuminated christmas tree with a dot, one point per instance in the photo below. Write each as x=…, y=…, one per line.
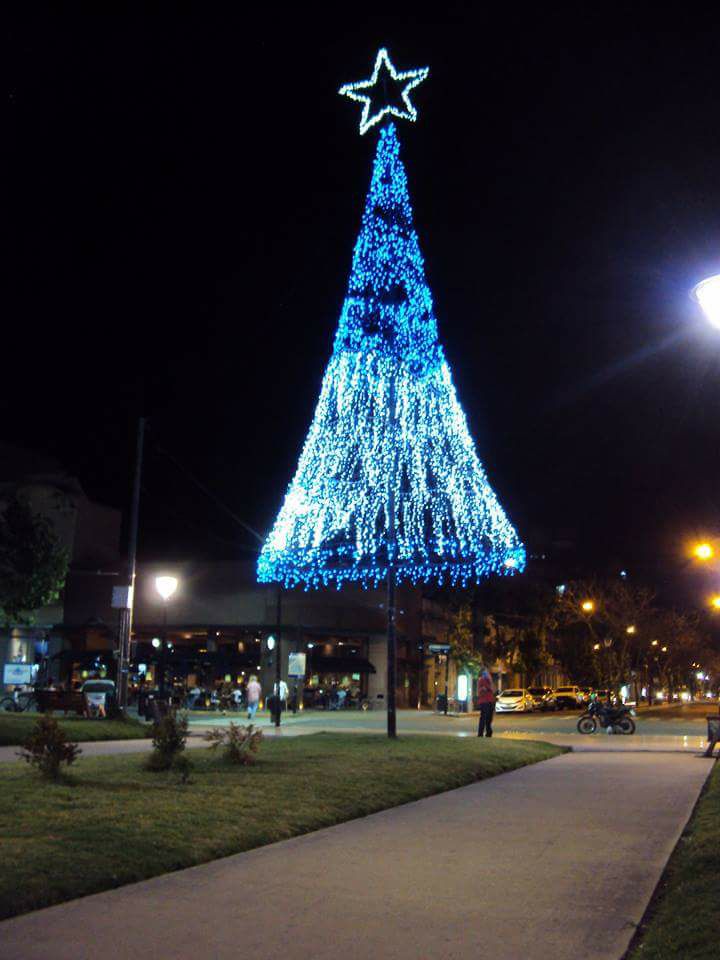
x=389, y=484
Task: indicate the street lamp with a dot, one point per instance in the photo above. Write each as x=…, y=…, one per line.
x=715, y=602
x=588, y=606
x=631, y=629
x=703, y=551
x=707, y=294
x=166, y=587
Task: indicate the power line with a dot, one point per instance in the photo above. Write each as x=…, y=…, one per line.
x=208, y=493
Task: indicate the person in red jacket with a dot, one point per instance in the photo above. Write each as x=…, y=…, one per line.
x=486, y=703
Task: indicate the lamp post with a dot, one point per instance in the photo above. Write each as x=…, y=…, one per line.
x=166, y=587
x=607, y=643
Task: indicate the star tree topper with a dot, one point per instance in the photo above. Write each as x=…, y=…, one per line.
x=376, y=88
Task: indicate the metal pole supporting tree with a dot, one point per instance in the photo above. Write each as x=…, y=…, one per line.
x=278, y=645
x=391, y=575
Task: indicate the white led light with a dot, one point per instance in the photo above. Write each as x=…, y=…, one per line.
x=363, y=91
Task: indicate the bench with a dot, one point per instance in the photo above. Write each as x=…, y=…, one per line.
x=69, y=701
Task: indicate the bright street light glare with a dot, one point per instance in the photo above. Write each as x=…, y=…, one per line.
x=703, y=551
x=715, y=602
x=166, y=586
x=707, y=294
x=630, y=629
x=588, y=606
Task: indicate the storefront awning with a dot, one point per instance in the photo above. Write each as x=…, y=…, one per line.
x=320, y=664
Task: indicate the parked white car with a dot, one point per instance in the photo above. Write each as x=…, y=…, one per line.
x=515, y=701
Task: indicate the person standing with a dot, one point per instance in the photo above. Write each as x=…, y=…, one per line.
x=486, y=703
x=253, y=692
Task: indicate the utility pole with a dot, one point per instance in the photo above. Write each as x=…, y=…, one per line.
x=126, y=612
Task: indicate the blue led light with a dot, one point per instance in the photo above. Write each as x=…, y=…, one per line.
x=388, y=429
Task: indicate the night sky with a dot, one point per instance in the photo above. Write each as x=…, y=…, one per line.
x=183, y=195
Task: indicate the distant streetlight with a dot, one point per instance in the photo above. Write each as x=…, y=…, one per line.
x=166, y=587
x=631, y=629
x=654, y=643
x=588, y=606
x=715, y=602
x=703, y=551
x=707, y=294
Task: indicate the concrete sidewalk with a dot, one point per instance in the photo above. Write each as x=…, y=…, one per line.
x=597, y=742
x=555, y=860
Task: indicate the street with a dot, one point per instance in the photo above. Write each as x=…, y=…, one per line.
x=691, y=723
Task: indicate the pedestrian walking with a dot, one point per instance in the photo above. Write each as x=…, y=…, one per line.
x=253, y=692
x=486, y=703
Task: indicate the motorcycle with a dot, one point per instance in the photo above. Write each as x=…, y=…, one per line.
x=614, y=719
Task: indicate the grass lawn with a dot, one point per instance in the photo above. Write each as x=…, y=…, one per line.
x=14, y=727
x=114, y=822
x=684, y=920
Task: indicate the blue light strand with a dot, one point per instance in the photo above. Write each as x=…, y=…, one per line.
x=333, y=525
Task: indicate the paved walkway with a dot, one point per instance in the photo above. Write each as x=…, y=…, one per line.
x=555, y=860
x=661, y=743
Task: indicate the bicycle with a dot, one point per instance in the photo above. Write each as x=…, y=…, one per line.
x=19, y=701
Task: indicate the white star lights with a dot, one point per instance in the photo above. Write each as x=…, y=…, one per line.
x=376, y=87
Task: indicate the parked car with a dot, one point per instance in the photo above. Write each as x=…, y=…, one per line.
x=515, y=701
x=543, y=698
x=569, y=697
x=605, y=695
x=98, y=696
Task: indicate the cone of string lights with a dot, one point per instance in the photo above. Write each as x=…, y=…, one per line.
x=389, y=486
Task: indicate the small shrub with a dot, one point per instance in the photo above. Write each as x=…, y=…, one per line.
x=47, y=747
x=239, y=744
x=182, y=764
x=169, y=736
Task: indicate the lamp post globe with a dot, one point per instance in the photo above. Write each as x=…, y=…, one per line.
x=707, y=295
x=166, y=587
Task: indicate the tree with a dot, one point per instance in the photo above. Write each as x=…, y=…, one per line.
x=603, y=629
x=33, y=563
x=389, y=475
